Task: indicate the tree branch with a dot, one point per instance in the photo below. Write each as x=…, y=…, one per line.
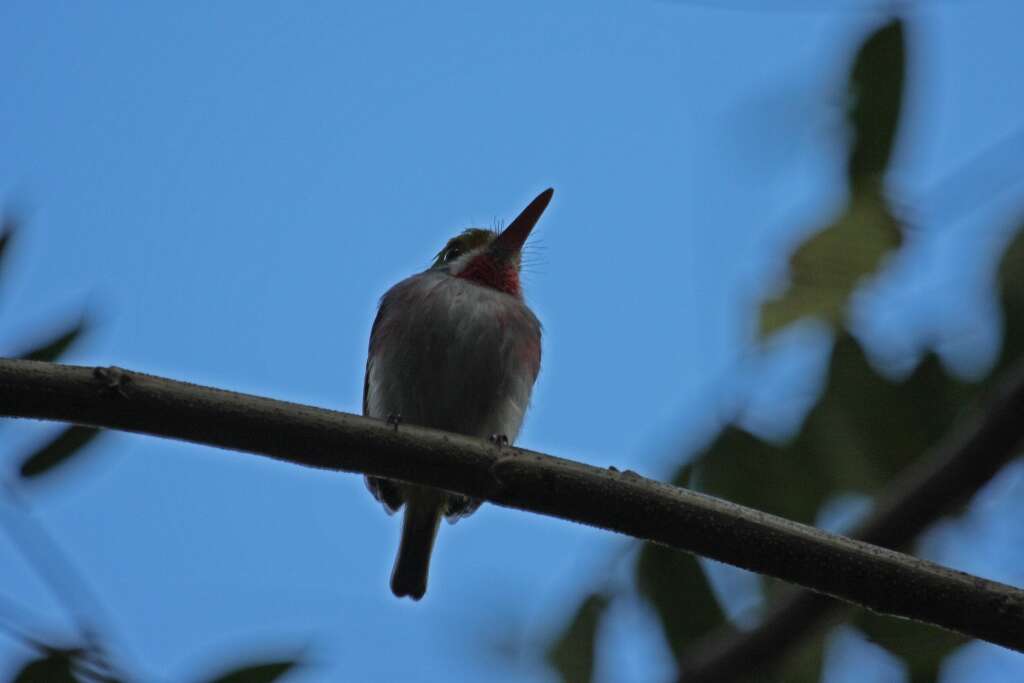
x=937, y=484
x=872, y=577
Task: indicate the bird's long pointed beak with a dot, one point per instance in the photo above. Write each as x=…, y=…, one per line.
x=512, y=238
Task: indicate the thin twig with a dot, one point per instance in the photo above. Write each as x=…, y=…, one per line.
x=869, y=576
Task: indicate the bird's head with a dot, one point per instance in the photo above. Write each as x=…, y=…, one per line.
x=491, y=258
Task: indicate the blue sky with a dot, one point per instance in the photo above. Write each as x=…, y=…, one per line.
x=228, y=188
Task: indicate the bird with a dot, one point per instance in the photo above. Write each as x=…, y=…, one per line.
x=456, y=348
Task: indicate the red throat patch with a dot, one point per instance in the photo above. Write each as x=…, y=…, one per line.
x=490, y=272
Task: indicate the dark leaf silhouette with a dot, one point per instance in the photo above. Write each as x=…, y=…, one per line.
x=52, y=349
x=675, y=585
x=572, y=654
x=922, y=648
x=7, y=228
x=1011, y=297
x=740, y=467
x=868, y=427
x=804, y=665
x=829, y=265
x=876, y=86
x=265, y=672
x=864, y=429
x=53, y=667
x=70, y=442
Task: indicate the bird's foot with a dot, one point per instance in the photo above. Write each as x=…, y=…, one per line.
x=498, y=440
x=395, y=419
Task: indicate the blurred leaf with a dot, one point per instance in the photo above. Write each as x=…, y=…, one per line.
x=54, y=667
x=674, y=583
x=69, y=442
x=52, y=349
x=863, y=430
x=829, y=265
x=266, y=672
x=876, y=85
x=8, y=226
x=800, y=666
x=1011, y=296
x=572, y=654
x=742, y=468
x=922, y=648
x=867, y=428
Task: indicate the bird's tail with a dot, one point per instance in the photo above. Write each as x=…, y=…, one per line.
x=419, y=528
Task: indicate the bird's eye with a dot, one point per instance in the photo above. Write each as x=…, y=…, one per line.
x=452, y=254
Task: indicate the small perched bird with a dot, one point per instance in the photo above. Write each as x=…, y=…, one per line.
x=453, y=348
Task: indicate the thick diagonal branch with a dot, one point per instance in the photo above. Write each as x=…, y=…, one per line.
x=878, y=579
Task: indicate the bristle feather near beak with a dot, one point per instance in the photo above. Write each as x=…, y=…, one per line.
x=512, y=238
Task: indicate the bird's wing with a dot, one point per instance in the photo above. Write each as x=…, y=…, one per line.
x=384, y=490
x=382, y=309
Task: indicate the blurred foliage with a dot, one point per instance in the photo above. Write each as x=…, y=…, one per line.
x=52, y=666
x=572, y=654
x=68, y=443
x=91, y=660
x=876, y=91
x=827, y=267
x=1011, y=298
x=7, y=229
x=921, y=648
x=865, y=427
x=52, y=349
x=684, y=615
x=256, y=673
x=863, y=430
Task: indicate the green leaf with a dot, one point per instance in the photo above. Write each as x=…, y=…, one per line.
x=865, y=429
x=829, y=265
x=265, y=672
x=923, y=648
x=572, y=654
x=71, y=441
x=675, y=584
x=876, y=85
x=740, y=467
x=54, y=667
x=803, y=665
x=55, y=347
